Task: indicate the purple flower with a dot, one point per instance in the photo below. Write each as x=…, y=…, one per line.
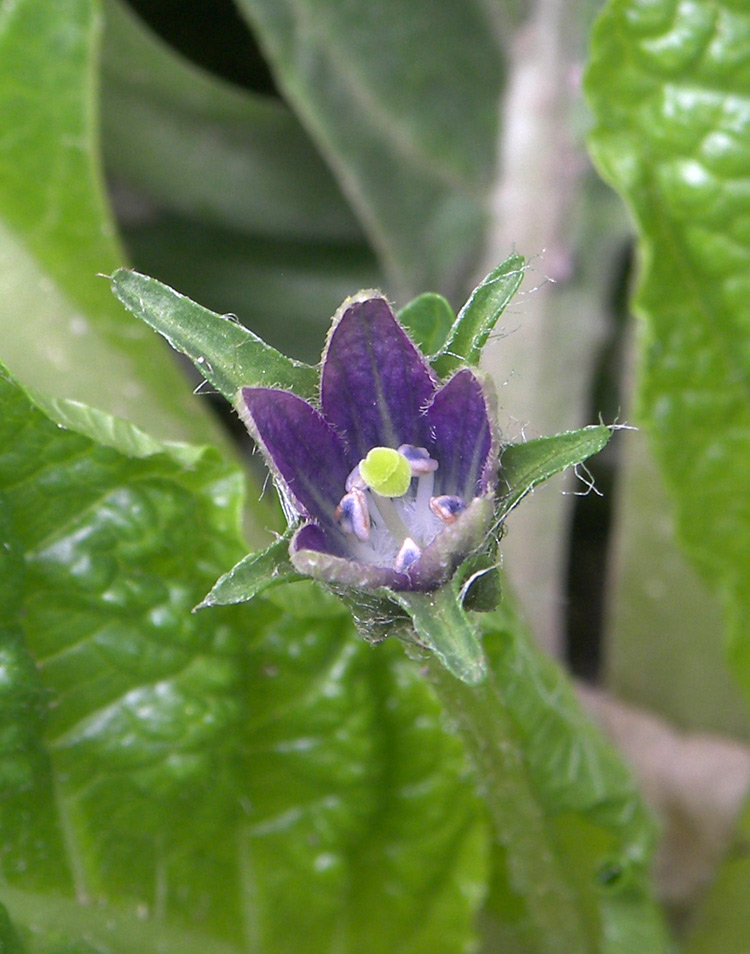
x=394, y=476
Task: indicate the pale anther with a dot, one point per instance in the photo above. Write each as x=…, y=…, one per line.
x=353, y=515
x=447, y=507
x=355, y=481
x=408, y=554
x=419, y=459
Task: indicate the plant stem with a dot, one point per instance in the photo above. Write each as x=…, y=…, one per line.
x=489, y=734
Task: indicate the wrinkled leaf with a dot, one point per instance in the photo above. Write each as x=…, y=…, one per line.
x=60, y=329
x=479, y=316
x=225, y=353
x=409, y=130
x=670, y=90
x=207, y=149
x=294, y=751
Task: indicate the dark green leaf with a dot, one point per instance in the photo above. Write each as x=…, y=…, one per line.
x=428, y=319
x=479, y=316
x=403, y=104
x=523, y=466
x=10, y=942
x=226, y=354
x=61, y=331
x=207, y=149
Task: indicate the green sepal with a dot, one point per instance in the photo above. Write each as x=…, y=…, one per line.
x=428, y=319
x=442, y=626
x=254, y=574
x=226, y=353
x=479, y=316
x=523, y=466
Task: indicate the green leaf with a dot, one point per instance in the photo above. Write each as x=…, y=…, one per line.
x=226, y=354
x=445, y=629
x=253, y=575
x=523, y=466
x=315, y=774
x=10, y=943
x=403, y=105
x=207, y=149
x=60, y=329
x=479, y=316
x=428, y=319
x=670, y=91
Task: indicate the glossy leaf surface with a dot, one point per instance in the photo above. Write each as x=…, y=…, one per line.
x=409, y=132
x=294, y=751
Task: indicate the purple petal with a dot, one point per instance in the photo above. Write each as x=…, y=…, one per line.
x=375, y=381
x=461, y=438
x=441, y=558
x=317, y=553
x=301, y=448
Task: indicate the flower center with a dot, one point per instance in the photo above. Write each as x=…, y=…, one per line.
x=386, y=471
x=389, y=512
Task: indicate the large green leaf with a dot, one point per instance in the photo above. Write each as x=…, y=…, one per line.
x=403, y=103
x=60, y=329
x=670, y=89
x=207, y=149
x=231, y=780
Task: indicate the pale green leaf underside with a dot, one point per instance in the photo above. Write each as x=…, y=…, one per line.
x=207, y=149
x=403, y=105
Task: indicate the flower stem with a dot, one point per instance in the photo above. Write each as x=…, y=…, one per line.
x=534, y=869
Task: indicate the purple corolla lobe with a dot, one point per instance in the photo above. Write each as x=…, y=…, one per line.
x=394, y=476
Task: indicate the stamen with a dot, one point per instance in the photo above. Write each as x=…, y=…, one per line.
x=353, y=516
x=447, y=508
x=419, y=459
x=355, y=480
x=425, y=486
x=407, y=555
x=384, y=509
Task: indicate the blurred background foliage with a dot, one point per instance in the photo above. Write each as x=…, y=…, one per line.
x=269, y=157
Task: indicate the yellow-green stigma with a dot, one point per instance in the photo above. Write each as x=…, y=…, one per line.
x=386, y=471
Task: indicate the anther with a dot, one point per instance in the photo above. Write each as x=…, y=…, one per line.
x=419, y=459
x=407, y=555
x=353, y=516
x=447, y=508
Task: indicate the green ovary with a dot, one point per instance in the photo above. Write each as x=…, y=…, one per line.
x=386, y=472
